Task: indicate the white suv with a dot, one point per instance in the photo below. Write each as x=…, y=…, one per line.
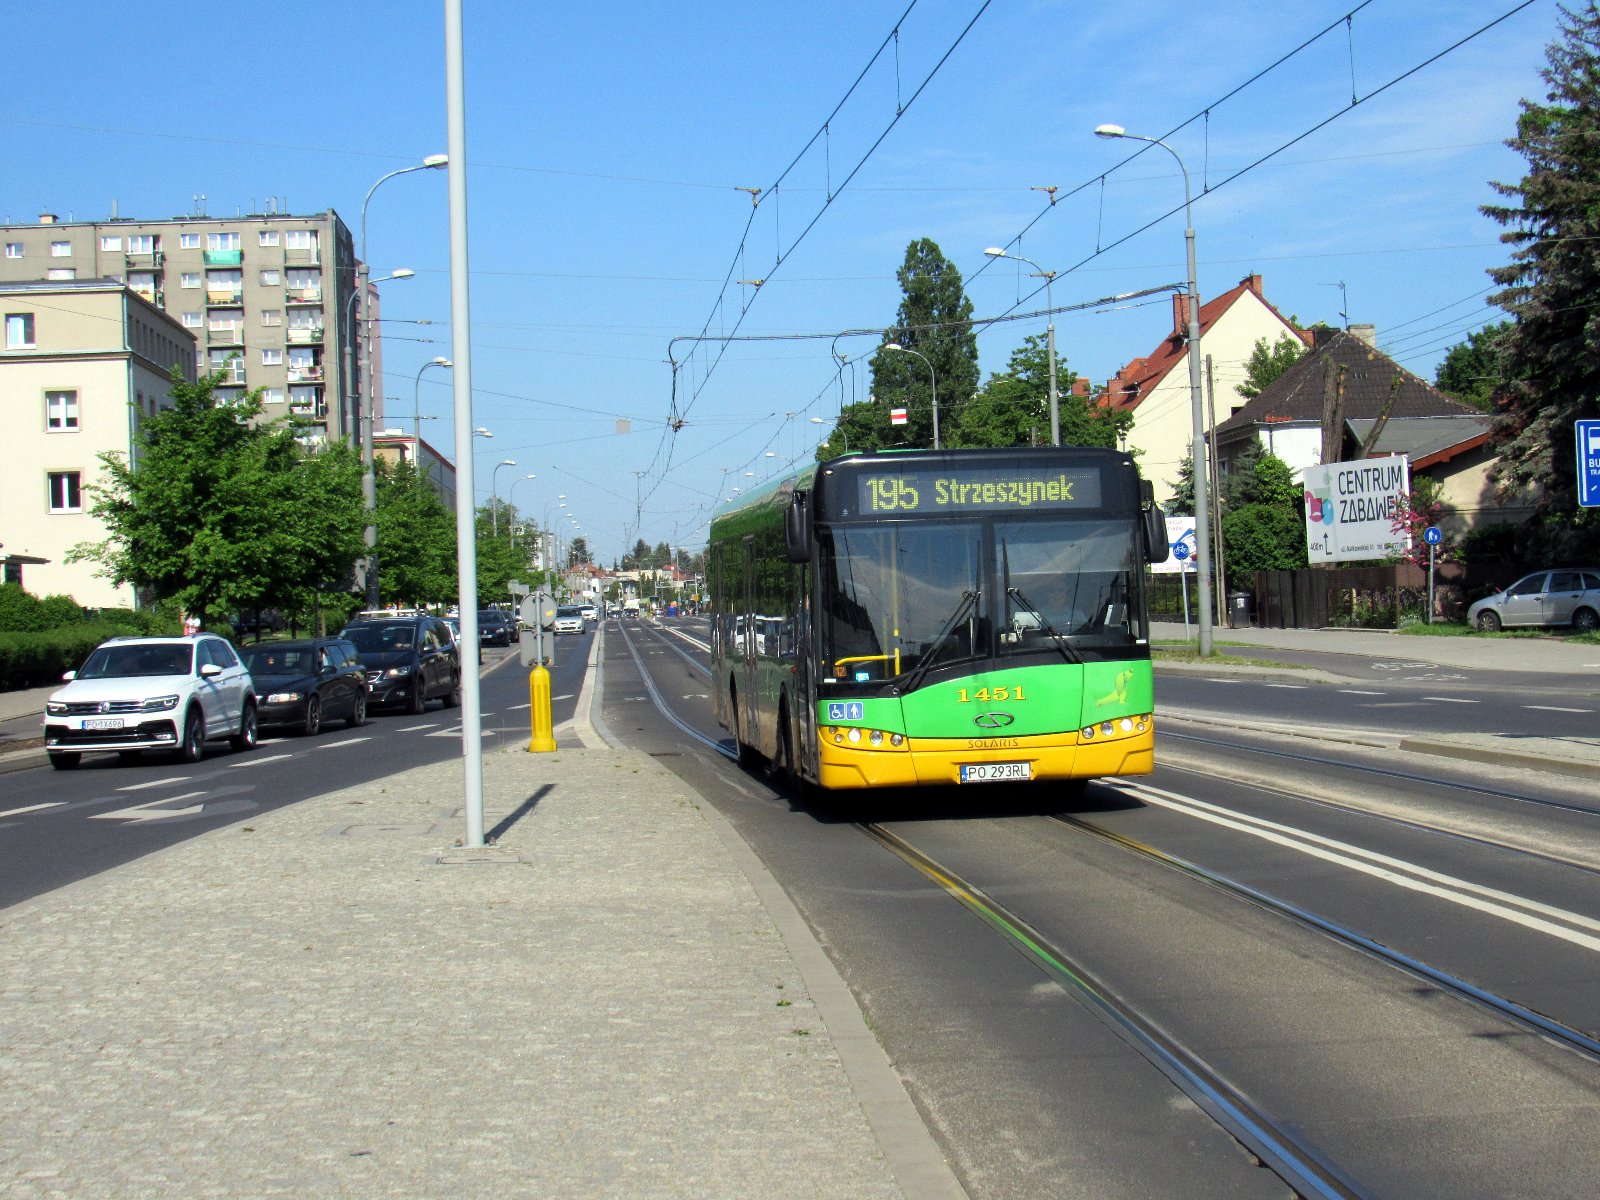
x=138, y=693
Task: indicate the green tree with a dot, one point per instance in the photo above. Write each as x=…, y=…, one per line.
x=934, y=319
x=1013, y=407
x=578, y=552
x=1471, y=370
x=1266, y=363
x=1263, y=537
x=1551, y=353
x=217, y=511
x=416, y=540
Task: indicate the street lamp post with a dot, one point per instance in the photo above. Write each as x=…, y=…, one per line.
x=494, y=493
x=1050, y=336
x=1197, y=454
x=352, y=323
x=369, y=483
x=416, y=404
x=511, y=503
x=932, y=379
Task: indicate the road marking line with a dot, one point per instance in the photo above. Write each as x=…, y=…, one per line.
x=414, y=728
x=355, y=741
x=1449, y=700
x=17, y=812
x=155, y=783
x=1358, y=692
x=257, y=762
x=149, y=811
x=1554, y=708
x=1381, y=866
x=1293, y=687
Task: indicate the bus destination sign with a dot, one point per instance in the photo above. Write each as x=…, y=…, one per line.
x=977, y=489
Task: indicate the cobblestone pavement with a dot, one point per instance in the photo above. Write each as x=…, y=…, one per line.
x=334, y=1000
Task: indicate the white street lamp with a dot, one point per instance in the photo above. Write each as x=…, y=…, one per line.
x=494, y=492
x=1050, y=336
x=511, y=494
x=369, y=485
x=932, y=379
x=1197, y=455
x=416, y=401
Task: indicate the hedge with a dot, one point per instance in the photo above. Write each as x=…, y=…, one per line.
x=29, y=660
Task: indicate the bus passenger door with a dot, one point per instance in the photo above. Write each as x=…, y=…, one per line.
x=748, y=639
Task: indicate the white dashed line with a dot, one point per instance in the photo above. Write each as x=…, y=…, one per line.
x=17, y=812
x=1449, y=700
x=258, y=762
x=1358, y=692
x=1554, y=708
x=154, y=783
x=355, y=741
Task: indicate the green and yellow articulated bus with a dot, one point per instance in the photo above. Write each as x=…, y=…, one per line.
x=919, y=617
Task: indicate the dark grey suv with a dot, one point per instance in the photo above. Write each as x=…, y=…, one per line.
x=410, y=659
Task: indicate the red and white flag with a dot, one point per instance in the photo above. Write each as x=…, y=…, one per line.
x=897, y=416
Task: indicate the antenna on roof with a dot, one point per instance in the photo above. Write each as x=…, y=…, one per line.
x=1344, y=302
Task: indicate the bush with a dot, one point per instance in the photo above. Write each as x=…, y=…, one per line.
x=29, y=660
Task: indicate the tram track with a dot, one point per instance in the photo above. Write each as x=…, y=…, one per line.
x=1279, y=1144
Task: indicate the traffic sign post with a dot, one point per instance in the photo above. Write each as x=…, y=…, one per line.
x=1587, y=437
x=1433, y=536
x=539, y=613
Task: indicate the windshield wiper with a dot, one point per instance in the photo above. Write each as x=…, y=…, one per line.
x=913, y=679
x=1067, y=652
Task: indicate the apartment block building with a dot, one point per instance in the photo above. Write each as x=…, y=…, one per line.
x=83, y=362
x=269, y=297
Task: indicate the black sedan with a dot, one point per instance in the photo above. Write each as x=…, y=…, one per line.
x=301, y=684
x=496, y=628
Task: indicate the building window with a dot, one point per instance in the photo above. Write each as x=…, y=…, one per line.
x=141, y=243
x=13, y=249
x=19, y=331
x=189, y=279
x=271, y=358
x=111, y=242
x=60, y=249
x=66, y=494
x=267, y=237
x=272, y=395
x=188, y=241
x=60, y=411
x=305, y=318
x=192, y=320
x=272, y=316
x=302, y=357
x=222, y=241
x=300, y=239
x=269, y=279
x=61, y=273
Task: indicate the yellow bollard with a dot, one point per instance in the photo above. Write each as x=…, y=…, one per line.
x=539, y=706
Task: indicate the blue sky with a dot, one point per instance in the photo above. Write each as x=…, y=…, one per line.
x=607, y=145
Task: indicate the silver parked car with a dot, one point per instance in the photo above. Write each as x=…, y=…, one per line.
x=1568, y=596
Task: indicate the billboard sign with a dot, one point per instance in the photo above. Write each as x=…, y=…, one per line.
x=1351, y=509
x=1180, y=535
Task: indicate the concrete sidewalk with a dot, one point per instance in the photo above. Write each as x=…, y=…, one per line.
x=333, y=999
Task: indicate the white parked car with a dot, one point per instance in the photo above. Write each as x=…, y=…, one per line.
x=569, y=619
x=137, y=693
x=1557, y=597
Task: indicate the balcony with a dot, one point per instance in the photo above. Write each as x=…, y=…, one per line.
x=224, y=258
x=225, y=335
x=316, y=410
x=302, y=256
x=224, y=299
x=303, y=295
x=305, y=337
x=311, y=374
x=150, y=260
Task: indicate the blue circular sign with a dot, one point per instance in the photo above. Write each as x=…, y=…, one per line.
x=1432, y=536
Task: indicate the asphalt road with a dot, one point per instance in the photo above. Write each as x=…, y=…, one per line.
x=57, y=826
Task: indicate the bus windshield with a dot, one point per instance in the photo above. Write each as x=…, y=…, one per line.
x=900, y=599
x=895, y=594
x=1067, y=582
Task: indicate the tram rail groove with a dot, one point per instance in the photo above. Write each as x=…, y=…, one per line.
x=1271, y=789
x=1384, y=772
x=1526, y=1019
x=1302, y=1166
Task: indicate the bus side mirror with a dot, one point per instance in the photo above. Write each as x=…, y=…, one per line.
x=797, y=529
x=1156, y=547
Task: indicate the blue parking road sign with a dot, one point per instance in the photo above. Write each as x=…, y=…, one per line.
x=1588, y=439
